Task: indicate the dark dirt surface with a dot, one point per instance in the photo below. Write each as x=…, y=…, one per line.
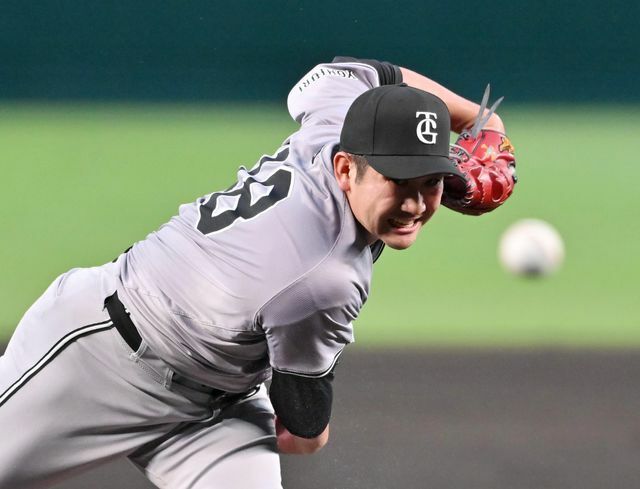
x=467, y=419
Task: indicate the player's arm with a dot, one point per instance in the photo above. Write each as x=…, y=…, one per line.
x=291, y=444
x=303, y=410
x=483, y=152
x=324, y=94
x=307, y=326
x=463, y=112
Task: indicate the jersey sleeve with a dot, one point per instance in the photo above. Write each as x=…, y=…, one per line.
x=388, y=73
x=308, y=325
x=325, y=93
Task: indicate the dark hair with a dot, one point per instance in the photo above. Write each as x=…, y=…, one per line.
x=361, y=165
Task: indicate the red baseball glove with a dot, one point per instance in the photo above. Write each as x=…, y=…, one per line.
x=485, y=158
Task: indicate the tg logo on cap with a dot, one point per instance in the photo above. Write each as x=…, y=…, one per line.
x=426, y=127
x=402, y=131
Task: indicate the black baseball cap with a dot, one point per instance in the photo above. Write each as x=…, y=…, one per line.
x=402, y=131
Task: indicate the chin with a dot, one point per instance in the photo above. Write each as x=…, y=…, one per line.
x=399, y=243
x=400, y=239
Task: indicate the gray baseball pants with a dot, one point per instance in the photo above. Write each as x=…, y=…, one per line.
x=74, y=395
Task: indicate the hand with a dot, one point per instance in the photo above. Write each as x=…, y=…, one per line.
x=484, y=156
x=294, y=445
x=495, y=124
x=488, y=166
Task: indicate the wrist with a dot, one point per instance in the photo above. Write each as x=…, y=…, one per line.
x=289, y=443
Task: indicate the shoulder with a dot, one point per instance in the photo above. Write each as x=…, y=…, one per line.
x=367, y=71
x=329, y=88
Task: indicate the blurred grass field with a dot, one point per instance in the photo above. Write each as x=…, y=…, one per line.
x=80, y=183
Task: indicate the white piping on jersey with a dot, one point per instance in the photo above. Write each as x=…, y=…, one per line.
x=55, y=350
x=313, y=376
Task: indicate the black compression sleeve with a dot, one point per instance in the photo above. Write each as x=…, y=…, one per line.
x=303, y=404
x=389, y=74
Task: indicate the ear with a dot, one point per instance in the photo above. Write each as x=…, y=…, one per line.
x=342, y=170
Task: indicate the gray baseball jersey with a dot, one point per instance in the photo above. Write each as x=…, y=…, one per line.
x=267, y=274
x=270, y=272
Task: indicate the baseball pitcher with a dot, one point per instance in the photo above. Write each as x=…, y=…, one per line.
x=162, y=355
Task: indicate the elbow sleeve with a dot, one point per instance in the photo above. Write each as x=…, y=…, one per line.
x=303, y=404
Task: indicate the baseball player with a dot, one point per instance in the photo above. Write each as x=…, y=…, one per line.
x=162, y=356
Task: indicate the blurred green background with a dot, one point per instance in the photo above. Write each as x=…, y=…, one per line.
x=80, y=183
x=112, y=114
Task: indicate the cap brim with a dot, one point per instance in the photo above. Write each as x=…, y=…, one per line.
x=405, y=167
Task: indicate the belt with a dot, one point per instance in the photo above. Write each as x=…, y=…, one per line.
x=122, y=321
x=124, y=325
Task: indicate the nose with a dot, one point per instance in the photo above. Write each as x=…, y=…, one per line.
x=414, y=203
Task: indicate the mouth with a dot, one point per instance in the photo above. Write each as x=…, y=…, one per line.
x=404, y=226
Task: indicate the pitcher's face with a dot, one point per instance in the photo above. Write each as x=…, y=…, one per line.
x=393, y=211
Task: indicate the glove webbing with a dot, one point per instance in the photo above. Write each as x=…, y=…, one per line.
x=456, y=151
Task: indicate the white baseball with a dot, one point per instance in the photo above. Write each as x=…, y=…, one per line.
x=531, y=247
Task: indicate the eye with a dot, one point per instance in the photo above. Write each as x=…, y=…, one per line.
x=398, y=182
x=433, y=182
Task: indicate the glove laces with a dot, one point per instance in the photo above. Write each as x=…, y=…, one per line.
x=456, y=151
